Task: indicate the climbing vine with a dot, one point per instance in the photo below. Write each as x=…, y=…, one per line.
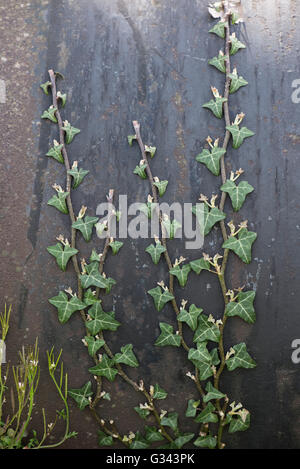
x=212, y=408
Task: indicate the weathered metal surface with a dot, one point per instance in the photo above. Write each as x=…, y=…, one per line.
x=147, y=60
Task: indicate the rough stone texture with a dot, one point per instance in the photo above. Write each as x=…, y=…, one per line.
x=147, y=60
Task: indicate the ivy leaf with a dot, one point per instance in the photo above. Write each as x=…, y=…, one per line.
x=143, y=413
x=215, y=356
x=50, y=114
x=139, y=442
x=45, y=87
x=237, y=424
x=219, y=62
x=237, y=193
x=92, y=277
x=210, y=217
x=62, y=97
x=150, y=150
x=55, y=152
x=94, y=257
x=81, y=395
x=170, y=420
x=211, y=159
x=171, y=227
x=70, y=131
x=110, y=282
x=62, y=254
x=66, y=307
x=152, y=434
x=216, y=106
x=105, y=368
x=130, y=139
x=243, y=307
x=192, y=408
x=206, y=330
x=167, y=336
x=241, y=245
x=239, y=135
x=201, y=354
x=161, y=186
x=93, y=345
x=241, y=358
x=207, y=415
x=115, y=246
x=183, y=439
x=59, y=201
x=89, y=297
x=104, y=439
x=160, y=297
x=212, y=393
x=181, y=273
x=127, y=356
x=77, y=175
x=155, y=251
x=190, y=317
x=206, y=442
x=147, y=209
x=236, y=45
x=236, y=82
x=85, y=226
x=219, y=29
x=159, y=393
x=140, y=171
x=199, y=264
x=100, y=320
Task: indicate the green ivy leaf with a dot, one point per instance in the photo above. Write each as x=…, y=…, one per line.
x=155, y=251
x=201, y=354
x=93, y=345
x=101, y=320
x=55, y=152
x=215, y=356
x=237, y=424
x=190, y=317
x=143, y=413
x=206, y=330
x=211, y=159
x=85, y=226
x=241, y=245
x=140, y=171
x=89, y=297
x=151, y=150
x=92, y=277
x=127, y=356
x=167, y=336
x=171, y=227
x=50, y=114
x=181, y=273
x=110, y=282
x=207, y=415
x=216, y=106
x=199, y=264
x=66, y=307
x=81, y=395
x=160, y=297
x=170, y=420
x=241, y=358
x=219, y=29
x=78, y=175
x=62, y=254
x=59, y=201
x=115, y=246
x=147, y=209
x=139, y=442
x=152, y=434
x=242, y=307
x=212, y=393
x=206, y=442
x=130, y=139
x=192, y=408
x=45, y=87
x=104, y=439
x=159, y=393
x=239, y=135
x=236, y=45
x=219, y=62
x=183, y=439
x=237, y=193
x=62, y=97
x=161, y=186
x=105, y=368
x=236, y=82
x=70, y=131
x=94, y=257
x=210, y=217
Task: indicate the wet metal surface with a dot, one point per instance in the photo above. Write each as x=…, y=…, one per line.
x=147, y=60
